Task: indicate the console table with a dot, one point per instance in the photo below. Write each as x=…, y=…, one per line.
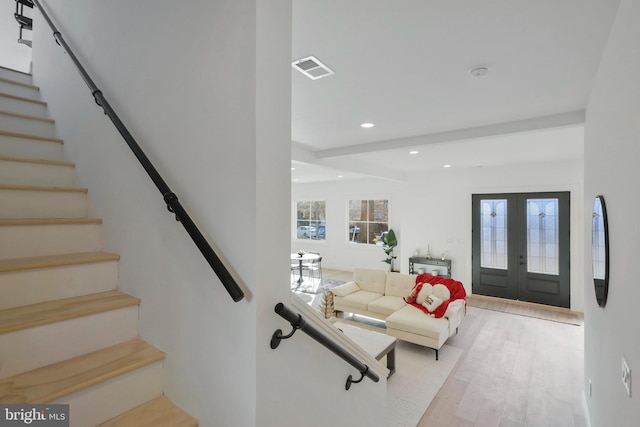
x=433, y=261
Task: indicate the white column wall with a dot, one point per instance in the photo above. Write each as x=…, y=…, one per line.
x=611, y=168
x=205, y=88
x=434, y=208
x=300, y=383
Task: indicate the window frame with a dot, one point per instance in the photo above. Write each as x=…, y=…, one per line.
x=369, y=200
x=310, y=221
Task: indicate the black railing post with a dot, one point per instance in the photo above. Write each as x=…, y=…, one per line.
x=173, y=204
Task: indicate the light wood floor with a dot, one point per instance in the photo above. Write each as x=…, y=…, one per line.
x=516, y=371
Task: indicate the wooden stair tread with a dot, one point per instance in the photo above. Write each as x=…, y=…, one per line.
x=22, y=98
x=42, y=188
x=28, y=316
x=50, y=221
x=29, y=136
x=159, y=412
x=26, y=116
x=37, y=161
x=46, y=384
x=2, y=79
x=16, y=264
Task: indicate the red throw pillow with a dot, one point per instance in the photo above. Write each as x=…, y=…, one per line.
x=411, y=298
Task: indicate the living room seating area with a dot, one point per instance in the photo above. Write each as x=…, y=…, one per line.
x=424, y=309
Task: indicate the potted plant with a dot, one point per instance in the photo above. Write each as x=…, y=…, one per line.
x=389, y=242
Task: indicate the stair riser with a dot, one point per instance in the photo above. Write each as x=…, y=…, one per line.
x=16, y=76
x=30, y=148
x=22, y=107
x=59, y=341
x=28, y=126
x=33, y=286
x=37, y=240
x=42, y=204
x=23, y=91
x=115, y=396
x=39, y=174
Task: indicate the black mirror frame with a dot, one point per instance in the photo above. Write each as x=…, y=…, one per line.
x=601, y=286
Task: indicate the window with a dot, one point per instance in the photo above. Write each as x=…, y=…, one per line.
x=368, y=219
x=310, y=220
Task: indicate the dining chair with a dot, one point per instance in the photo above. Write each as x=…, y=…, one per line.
x=314, y=266
x=295, y=274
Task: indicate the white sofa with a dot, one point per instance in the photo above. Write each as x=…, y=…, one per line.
x=378, y=294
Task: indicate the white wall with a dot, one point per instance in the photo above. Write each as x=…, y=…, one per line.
x=434, y=208
x=612, y=151
x=205, y=88
x=336, y=250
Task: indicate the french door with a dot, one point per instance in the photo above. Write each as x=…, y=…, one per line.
x=521, y=246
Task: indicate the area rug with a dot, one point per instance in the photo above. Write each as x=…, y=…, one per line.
x=538, y=311
x=331, y=283
x=314, y=286
x=416, y=382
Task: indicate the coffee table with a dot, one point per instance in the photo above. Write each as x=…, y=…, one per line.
x=376, y=344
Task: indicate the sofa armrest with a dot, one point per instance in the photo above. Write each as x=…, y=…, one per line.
x=455, y=313
x=345, y=289
x=455, y=307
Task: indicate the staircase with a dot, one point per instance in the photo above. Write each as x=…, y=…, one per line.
x=67, y=335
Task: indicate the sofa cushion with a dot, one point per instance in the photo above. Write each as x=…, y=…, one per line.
x=432, y=302
x=413, y=320
x=455, y=288
x=441, y=291
x=399, y=285
x=411, y=298
x=370, y=280
x=386, y=305
x=427, y=289
x=345, y=289
x=359, y=299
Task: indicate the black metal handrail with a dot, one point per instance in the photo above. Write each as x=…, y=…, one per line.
x=173, y=205
x=298, y=322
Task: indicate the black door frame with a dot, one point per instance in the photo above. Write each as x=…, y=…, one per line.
x=516, y=282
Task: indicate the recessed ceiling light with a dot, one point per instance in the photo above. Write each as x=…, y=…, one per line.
x=413, y=152
x=339, y=176
x=293, y=169
x=367, y=125
x=446, y=166
x=295, y=180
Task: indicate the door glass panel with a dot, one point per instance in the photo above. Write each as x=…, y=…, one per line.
x=542, y=236
x=493, y=233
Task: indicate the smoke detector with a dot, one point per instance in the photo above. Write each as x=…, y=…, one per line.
x=478, y=72
x=312, y=68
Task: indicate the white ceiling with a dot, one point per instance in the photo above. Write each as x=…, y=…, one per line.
x=404, y=66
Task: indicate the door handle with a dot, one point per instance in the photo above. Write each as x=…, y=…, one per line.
x=522, y=263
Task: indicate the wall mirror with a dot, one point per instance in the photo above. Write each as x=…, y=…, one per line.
x=600, y=250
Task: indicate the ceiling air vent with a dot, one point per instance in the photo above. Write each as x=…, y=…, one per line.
x=312, y=68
